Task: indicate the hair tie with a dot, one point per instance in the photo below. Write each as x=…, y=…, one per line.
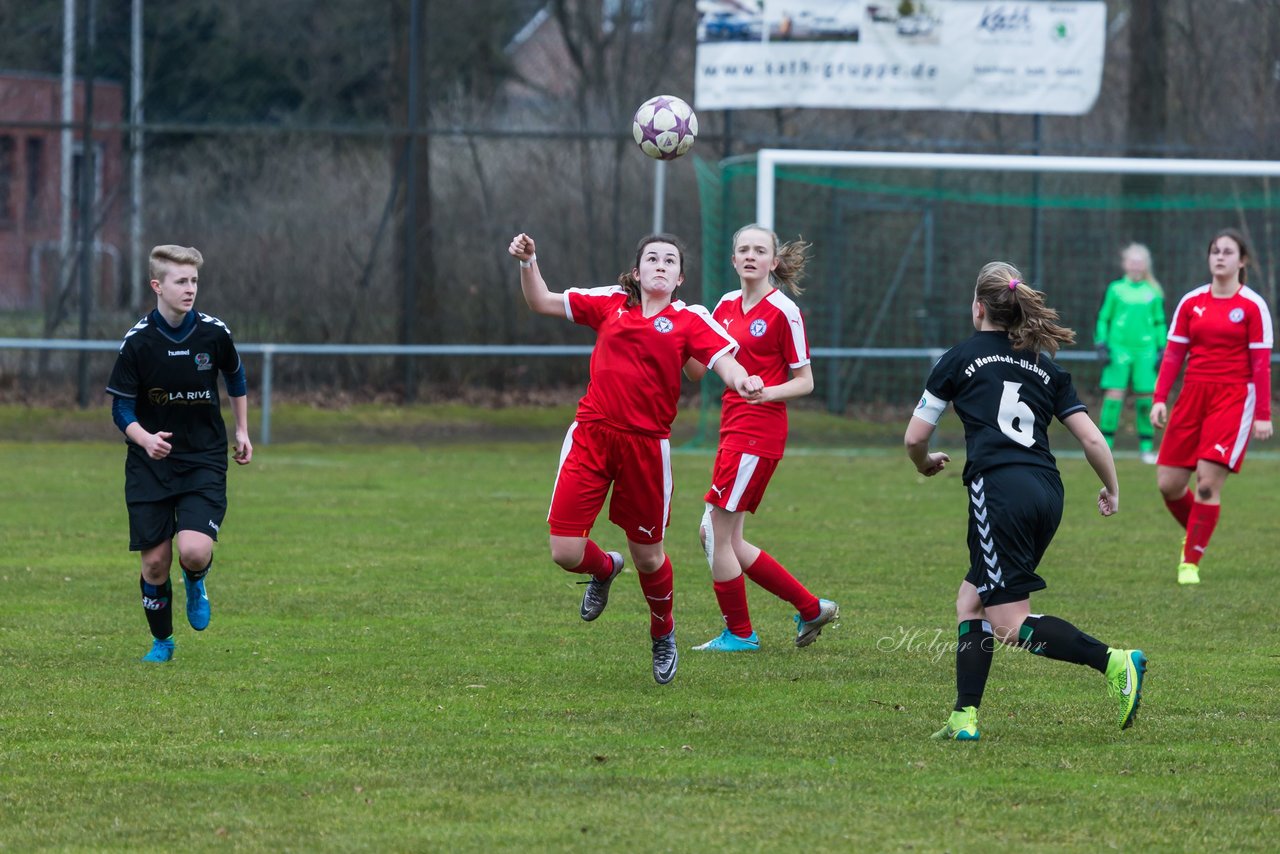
x=1013, y=284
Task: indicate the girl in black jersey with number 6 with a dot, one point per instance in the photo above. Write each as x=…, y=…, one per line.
x=1005, y=392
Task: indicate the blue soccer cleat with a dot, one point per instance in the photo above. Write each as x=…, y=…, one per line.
x=727, y=641
x=161, y=650
x=197, y=603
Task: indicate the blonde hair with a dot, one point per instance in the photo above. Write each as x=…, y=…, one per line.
x=1141, y=249
x=1019, y=309
x=791, y=256
x=167, y=256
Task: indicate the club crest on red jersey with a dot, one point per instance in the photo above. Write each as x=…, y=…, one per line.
x=663, y=324
x=758, y=327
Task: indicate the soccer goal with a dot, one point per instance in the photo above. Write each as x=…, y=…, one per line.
x=899, y=238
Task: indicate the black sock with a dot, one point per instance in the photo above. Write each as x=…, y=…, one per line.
x=156, y=601
x=973, y=661
x=195, y=575
x=1061, y=641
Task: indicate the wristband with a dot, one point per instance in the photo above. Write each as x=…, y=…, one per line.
x=527, y=264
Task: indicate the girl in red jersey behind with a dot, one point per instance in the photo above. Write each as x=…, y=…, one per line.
x=620, y=436
x=771, y=340
x=1223, y=331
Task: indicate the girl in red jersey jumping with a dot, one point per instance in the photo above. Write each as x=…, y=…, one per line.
x=620, y=436
x=769, y=330
x=1223, y=330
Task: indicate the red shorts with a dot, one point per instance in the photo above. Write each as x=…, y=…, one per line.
x=739, y=480
x=594, y=457
x=1209, y=421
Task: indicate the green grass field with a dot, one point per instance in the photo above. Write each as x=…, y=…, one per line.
x=395, y=664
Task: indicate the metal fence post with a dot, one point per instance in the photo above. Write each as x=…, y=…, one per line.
x=267, y=351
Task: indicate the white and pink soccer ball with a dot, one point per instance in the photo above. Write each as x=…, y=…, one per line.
x=665, y=127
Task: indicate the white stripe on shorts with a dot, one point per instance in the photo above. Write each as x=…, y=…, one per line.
x=746, y=468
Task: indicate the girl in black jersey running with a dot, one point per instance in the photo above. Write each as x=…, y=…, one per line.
x=1005, y=392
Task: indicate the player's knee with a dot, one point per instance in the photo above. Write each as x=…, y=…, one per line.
x=566, y=555
x=1205, y=492
x=647, y=563
x=196, y=559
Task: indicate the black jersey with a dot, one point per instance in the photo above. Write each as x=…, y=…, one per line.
x=172, y=377
x=1005, y=398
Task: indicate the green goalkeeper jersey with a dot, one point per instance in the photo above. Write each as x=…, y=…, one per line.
x=1132, y=316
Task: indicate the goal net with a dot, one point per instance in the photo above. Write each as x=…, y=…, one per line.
x=898, y=240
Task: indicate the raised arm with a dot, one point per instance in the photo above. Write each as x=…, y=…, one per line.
x=536, y=293
x=1099, y=456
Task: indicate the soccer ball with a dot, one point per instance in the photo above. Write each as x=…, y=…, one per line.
x=665, y=127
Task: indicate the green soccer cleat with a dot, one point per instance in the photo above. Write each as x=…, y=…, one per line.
x=807, y=631
x=961, y=726
x=1188, y=573
x=161, y=650
x=727, y=641
x=1125, y=670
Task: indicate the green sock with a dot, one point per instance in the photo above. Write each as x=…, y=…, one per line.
x=1142, y=414
x=1110, y=419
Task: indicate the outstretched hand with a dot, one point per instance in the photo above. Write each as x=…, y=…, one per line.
x=522, y=247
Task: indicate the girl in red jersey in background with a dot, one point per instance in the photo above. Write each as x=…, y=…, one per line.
x=620, y=436
x=771, y=340
x=1223, y=330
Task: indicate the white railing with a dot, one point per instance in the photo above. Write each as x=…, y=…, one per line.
x=268, y=352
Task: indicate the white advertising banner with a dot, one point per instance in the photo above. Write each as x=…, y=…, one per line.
x=1031, y=57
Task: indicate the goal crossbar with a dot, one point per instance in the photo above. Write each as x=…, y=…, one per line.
x=768, y=159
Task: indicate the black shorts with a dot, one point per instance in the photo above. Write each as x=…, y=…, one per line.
x=1014, y=512
x=165, y=497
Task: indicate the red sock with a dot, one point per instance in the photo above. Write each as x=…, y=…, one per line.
x=1181, y=507
x=1204, y=518
x=658, y=592
x=773, y=576
x=732, y=596
x=594, y=562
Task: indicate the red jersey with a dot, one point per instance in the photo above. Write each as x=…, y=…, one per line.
x=637, y=361
x=1226, y=341
x=771, y=342
x=1220, y=333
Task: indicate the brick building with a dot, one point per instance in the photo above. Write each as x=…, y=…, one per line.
x=30, y=197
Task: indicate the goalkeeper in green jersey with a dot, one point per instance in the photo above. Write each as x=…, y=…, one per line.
x=1130, y=338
